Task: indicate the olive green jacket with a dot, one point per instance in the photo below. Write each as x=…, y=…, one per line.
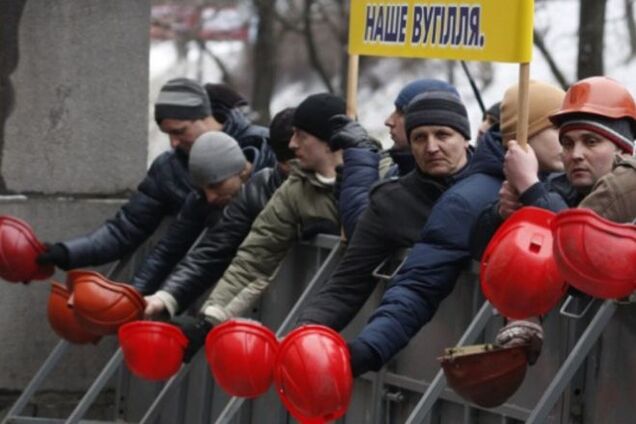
x=300, y=199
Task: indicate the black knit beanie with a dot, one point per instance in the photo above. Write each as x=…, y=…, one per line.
x=437, y=108
x=280, y=132
x=313, y=114
x=222, y=99
x=182, y=99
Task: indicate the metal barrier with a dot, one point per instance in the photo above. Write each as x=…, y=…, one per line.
x=411, y=388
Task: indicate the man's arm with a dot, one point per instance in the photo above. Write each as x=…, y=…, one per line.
x=272, y=234
x=340, y=299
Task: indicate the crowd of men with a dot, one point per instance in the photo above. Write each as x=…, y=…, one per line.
x=241, y=195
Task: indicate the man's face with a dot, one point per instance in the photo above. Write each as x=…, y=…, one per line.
x=439, y=151
x=587, y=157
x=395, y=122
x=309, y=150
x=222, y=193
x=183, y=133
x=548, y=149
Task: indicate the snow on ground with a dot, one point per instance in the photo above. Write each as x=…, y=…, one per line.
x=557, y=20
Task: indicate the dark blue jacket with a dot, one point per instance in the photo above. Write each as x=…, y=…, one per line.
x=434, y=264
x=554, y=193
x=161, y=193
x=360, y=172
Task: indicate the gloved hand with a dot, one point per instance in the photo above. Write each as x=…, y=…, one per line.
x=348, y=133
x=521, y=332
x=195, y=330
x=155, y=308
x=55, y=254
x=312, y=227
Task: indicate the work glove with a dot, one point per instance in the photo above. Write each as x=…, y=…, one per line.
x=312, y=227
x=55, y=254
x=348, y=133
x=522, y=332
x=196, y=330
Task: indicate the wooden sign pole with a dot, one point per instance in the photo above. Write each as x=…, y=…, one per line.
x=352, y=86
x=523, y=107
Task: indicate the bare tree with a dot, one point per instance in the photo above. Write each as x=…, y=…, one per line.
x=591, y=30
x=556, y=71
x=264, y=59
x=631, y=27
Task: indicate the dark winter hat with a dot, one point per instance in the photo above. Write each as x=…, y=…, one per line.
x=214, y=157
x=223, y=98
x=280, y=132
x=494, y=112
x=420, y=86
x=437, y=108
x=184, y=99
x=313, y=114
x=618, y=131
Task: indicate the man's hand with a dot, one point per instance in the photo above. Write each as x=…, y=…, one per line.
x=55, y=254
x=521, y=167
x=508, y=200
x=348, y=133
x=522, y=332
x=195, y=330
x=155, y=308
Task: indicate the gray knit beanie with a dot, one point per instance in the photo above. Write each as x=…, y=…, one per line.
x=437, y=108
x=182, y=99
x=214, y=157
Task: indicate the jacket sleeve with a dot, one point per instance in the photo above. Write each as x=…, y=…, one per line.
x=485, y=227
x=272, y=234
x=180, y=236
x=541, y=196
x=205, y=264
x=340, y=299
x=130, y=227
x=360, y=172
x=427, y=277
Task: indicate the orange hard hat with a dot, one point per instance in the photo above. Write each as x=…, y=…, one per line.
x=19, y=249
x=313, y=373
x=595, y=255
x=152, y=350
x=518, y=273
x=241, y=355
x=486, y=375
x=601, y=96
x=101, y=305
x=62, y=319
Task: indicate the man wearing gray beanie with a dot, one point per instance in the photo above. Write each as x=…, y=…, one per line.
x=305, y=199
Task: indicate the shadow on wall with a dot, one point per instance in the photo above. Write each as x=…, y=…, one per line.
x=10, y=15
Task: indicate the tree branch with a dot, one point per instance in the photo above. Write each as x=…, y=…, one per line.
x=540, y=43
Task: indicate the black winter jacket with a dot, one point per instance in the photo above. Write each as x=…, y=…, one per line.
x=397, y=211
x=206, y=263
x=161, y=193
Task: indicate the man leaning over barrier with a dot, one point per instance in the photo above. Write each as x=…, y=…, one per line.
x=205, y=264
x=438, y=130
x=306, y=197
x=182, y=111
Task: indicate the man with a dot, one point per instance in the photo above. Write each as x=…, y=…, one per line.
x=364, y=165
x=543, y=138
x=183, y=112
x=429, y=273
x=438, y=130
x=307, y=196
x=205, y=264
x=490, y=118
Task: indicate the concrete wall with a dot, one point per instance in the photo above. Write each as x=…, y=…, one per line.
x=73, y=137
x=79, y=113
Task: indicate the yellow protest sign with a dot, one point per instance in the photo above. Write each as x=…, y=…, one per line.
x=492, y=30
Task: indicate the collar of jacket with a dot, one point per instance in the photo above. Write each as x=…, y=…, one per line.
x=404, y=160
x=625, y=161
x=310, y=176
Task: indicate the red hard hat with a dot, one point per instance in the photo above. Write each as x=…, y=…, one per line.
x=313, y=373
x=241, y=355
x=152, y=350
x=599, y=96
x=18, y=250
x=518, y=273
x=62, y=319
x=486, y=375
x=101, y=305
x=595, y=255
